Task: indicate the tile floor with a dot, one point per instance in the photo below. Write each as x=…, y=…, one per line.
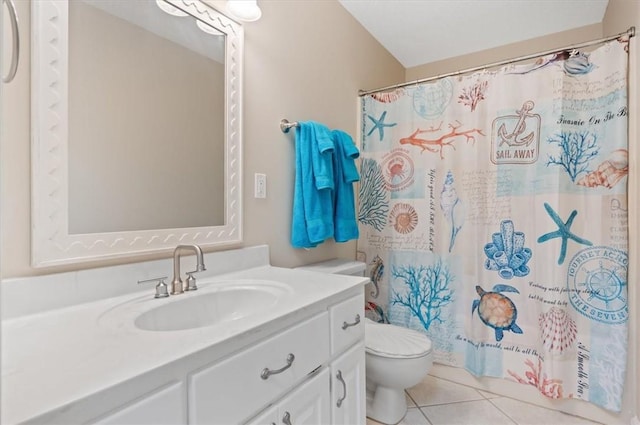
x=437, y=401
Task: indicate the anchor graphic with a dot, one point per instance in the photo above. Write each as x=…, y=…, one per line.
x=512, y=139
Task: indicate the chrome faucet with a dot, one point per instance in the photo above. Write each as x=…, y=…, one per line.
x=176, y=284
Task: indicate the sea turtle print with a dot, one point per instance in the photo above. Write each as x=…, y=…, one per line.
x=497, y=310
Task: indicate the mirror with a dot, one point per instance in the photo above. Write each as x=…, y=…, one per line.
x=136, y=128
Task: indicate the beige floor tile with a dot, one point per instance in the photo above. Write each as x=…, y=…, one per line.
x=410, y=402
x=478, y=412
x=413, y=417
x=487, y=394
x=528, y=414
x=433, y=391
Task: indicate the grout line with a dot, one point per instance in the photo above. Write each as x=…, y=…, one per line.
x=409, y=395
x=425, y=416
x=502, y=411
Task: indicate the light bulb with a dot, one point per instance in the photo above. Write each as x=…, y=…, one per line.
x=244, y=10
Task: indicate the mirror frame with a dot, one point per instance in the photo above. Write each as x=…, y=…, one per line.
x=51, y=243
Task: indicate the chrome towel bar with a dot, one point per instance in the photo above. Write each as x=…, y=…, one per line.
x=286, y=125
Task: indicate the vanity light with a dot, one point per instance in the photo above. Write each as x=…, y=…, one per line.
x=244, y=10
x=170, y=9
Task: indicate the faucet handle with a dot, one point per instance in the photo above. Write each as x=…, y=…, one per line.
x=191, y=281
x=161, y=287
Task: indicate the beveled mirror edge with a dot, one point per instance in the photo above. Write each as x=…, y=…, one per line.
x=51, y=243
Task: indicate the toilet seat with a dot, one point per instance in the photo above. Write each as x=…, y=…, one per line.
x=393, y=341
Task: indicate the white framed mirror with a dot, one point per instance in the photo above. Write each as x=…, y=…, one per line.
x=136, y=128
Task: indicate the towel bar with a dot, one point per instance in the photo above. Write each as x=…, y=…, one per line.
x=286, y=125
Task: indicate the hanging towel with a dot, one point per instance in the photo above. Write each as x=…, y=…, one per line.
x=312, y=221
x=345, y=174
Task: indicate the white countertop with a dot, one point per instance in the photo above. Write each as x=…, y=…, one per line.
x=59, y=359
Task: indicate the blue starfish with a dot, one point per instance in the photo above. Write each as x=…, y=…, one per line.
x=380, y=125
x=562, y=232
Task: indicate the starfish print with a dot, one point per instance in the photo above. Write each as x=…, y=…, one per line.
x=380, y=125
x=562, y=232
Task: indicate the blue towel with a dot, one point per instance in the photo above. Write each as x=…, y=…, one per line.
x=345, y=172
x=312, y=221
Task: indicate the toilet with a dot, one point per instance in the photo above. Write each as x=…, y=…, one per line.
x=396, y=358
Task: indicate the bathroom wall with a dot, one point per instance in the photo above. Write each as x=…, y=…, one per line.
x=303, y=61
x=620, y=15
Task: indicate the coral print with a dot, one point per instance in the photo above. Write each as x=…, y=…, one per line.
x=496, y=310
x=437, y=144
x=373, y=204
x=551, y=388
x=472, y=95
x=506, y=252
x=576, y=151
x=428, y=290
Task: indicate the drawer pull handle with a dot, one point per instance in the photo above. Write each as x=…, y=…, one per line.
x=344, y=387
x=286, y=419
x=266, y=373
x=345, y=325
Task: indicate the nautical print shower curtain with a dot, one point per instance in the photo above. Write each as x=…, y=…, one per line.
x=493, y=217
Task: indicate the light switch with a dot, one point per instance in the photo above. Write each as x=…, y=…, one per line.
x=260, y=187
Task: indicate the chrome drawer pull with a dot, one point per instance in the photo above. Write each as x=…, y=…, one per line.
x=286, y=419
x=345, y=325
x=344, y=387
x=266, y=373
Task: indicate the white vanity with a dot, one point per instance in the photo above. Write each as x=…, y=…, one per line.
x=297, y=357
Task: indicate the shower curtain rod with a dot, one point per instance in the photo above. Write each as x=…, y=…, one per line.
x=631, y=32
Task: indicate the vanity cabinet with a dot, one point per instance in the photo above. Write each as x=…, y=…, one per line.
x=163, y=407
x=348, y=396
x=228, y=392
x=308, y=404
x=336, y=395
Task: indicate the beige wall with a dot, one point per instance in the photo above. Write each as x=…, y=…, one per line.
x=505, y=52
x=304, y=60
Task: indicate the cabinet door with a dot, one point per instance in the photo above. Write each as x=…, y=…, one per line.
x=348, y=397
x=163, y=407
x=268, y=417
x=308, y=404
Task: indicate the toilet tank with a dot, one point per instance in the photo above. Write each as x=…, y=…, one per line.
x=337, y=266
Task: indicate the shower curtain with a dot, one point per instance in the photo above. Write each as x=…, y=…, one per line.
x=493, y=217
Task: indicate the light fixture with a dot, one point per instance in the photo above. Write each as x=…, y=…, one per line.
x=244, y=10
x=170, y=9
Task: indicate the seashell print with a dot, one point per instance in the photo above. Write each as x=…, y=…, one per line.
x=557, y=330
x=578, y=64
x=610, y=172
x=388, y=97
x=404, y=218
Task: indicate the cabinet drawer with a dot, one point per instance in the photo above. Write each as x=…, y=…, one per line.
x=347, y=323
x=232, y=390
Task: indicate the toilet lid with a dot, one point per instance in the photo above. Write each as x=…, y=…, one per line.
x=395, y=341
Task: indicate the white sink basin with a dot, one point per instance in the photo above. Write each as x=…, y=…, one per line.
x=212, y=304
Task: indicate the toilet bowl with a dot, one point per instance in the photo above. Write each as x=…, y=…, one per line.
x=396, y=358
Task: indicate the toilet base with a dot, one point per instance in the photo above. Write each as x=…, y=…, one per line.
x=386, y=405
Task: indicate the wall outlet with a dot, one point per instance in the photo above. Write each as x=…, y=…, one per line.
x=260, y=186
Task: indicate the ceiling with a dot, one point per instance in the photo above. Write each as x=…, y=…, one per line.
x=417, y=32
